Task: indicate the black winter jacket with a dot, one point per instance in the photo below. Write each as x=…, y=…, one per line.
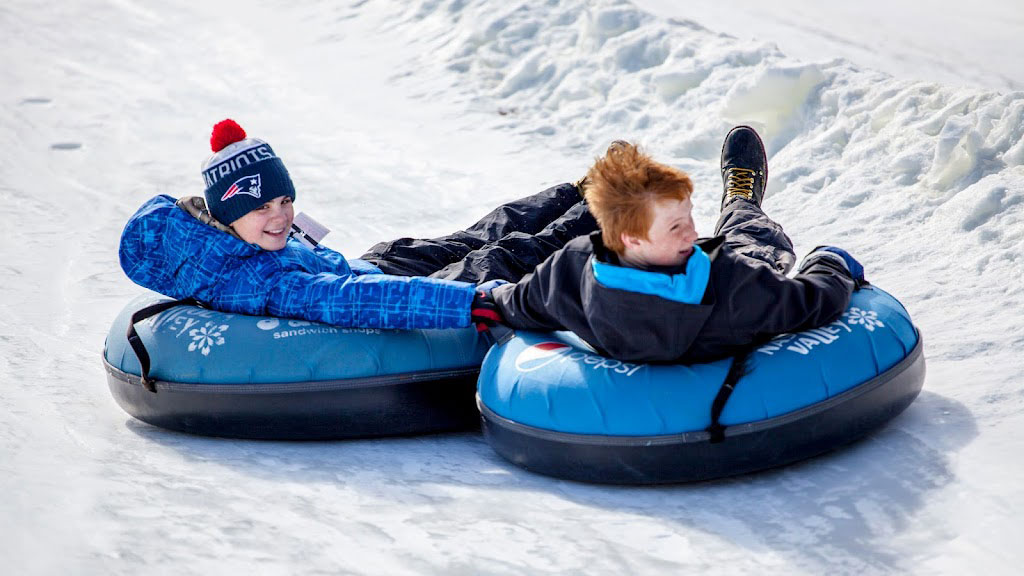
x=743, y=304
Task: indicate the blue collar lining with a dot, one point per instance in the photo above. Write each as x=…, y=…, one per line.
x=687, y=287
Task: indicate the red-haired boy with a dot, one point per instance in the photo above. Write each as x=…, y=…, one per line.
x=645, y=289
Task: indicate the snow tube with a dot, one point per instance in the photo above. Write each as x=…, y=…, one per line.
x=240, y=376
x=551, y=405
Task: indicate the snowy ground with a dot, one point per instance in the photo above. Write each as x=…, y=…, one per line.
x=952, y=42
x=412, y=118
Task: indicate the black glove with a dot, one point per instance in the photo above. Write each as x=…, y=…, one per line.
x=840, y=259
x=484, y=311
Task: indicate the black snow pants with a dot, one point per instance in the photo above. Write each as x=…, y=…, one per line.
x=755, y=236
x=506, y=244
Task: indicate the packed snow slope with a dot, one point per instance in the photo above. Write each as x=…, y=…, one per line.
x=952, y=42
x=412, y=118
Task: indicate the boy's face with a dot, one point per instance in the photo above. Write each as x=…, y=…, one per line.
x=670, y=238
x=267, y=226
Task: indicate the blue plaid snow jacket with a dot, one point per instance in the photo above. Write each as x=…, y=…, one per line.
x=168, y=250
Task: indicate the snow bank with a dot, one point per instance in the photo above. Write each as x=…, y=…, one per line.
x=951, y=42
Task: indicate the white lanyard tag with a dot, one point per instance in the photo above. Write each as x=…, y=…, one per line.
x=308, y=231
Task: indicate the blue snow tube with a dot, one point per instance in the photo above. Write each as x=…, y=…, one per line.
x=551, y=405
x=232, y=375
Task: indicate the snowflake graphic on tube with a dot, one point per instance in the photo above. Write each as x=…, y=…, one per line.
x=867, y=318
x=206, y=337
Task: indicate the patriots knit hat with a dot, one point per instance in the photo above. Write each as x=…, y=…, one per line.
x=243, y=173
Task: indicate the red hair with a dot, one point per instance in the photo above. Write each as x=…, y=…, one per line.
x=622, y=186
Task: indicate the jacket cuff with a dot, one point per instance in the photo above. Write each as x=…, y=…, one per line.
x=823, y=257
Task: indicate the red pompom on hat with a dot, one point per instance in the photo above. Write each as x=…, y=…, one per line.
x=225, y=133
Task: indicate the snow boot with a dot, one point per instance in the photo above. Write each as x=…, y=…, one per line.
x=744, y=166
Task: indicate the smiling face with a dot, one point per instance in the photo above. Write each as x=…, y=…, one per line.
x=267, y=226
x=669, y=240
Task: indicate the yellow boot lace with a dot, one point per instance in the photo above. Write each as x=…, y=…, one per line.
x=739, y=182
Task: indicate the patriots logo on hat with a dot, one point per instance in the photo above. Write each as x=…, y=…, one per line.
x=249, y=185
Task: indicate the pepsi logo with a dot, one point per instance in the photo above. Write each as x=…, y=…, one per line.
x=539, y=355
x=543, y=354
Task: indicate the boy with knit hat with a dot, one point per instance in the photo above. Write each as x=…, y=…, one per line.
x=248, y=188
x=233, y=250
